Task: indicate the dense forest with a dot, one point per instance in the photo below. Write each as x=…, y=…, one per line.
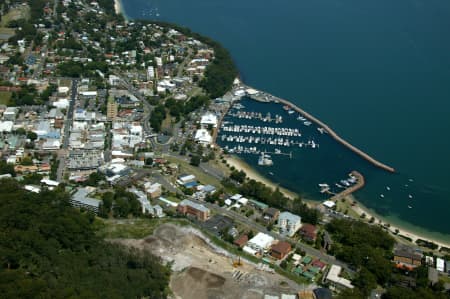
x=50, y=250
x=368, y=249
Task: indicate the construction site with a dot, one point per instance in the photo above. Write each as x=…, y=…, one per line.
x=202, y=270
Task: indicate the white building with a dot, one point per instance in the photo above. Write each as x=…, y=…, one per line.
x=209, y=119
x=440, y=265
x=289, y=223
x=203, y=137
x=10, y=113
x=150, y=73
x=335, y=280
x=6, y=126
x=261, y=242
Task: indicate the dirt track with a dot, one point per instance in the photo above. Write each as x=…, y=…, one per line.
x=203, y=271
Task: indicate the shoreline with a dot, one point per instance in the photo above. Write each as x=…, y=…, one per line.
x=252, y=173
x=361, y=209
x=119, y=9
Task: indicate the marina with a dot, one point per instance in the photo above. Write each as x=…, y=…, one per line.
x=288, y=106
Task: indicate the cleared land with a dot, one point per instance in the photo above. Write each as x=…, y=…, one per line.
x=202, y=270
x=5, y=97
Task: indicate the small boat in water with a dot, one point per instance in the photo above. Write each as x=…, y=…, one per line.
x=388, y=188
x=409, y=207
x=265, y=160
x=323, y=185
x=321, y=130
x=382, y=195
x=410, y=196
x=271, y=173
x=307, y=123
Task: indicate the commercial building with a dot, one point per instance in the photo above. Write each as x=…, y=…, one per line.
x=335, y=280
x=208, y=119
x=153, y=190
x=187, y=207
x=203, y=137
x=289, y=223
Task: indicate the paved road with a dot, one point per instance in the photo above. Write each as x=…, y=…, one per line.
x=65, y=144
x=257, y=227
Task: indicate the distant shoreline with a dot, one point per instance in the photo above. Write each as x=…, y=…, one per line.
x=119, y=9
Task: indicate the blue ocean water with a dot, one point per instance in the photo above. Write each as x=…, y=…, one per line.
x=378, y=72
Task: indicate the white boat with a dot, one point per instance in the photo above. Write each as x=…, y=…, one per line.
x=307, y=123
x=409, y=207
x=321, y=130
x=410, y=196
x=323, y=185
x=265, y=160
x=388, y=188
x=382, y=195
x=291, y=111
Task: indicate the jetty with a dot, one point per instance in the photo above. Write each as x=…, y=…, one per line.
x=265, y=97
x=359, y=184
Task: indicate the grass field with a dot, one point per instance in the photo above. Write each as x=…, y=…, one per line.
x=185, y=167
x=21, y=12
x=131, y=228
x=5, y=97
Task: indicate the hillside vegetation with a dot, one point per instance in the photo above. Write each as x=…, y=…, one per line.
x=50, y=250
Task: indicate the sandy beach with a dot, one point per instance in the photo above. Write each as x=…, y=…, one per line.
x=359, y=208
x=253, y=174
x=118, y=7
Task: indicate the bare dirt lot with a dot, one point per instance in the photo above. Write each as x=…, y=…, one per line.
x=204, y=271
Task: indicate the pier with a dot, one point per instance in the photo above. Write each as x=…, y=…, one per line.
x=359, y=184
x=264, y=97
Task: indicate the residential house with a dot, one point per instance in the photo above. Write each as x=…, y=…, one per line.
x=241, y=241
x=308, y=232
x=280, y=250
x=271, y=215
x=407, y=256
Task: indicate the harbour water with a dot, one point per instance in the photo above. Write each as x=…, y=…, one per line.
x=378, y=72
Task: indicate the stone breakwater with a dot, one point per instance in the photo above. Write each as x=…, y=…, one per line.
x=264, y=97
